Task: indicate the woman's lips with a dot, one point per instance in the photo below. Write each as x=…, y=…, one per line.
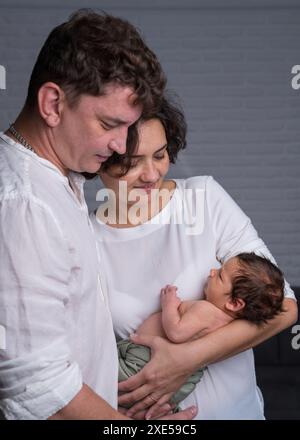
x=147, y=188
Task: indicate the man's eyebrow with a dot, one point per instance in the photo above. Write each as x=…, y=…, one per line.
x=157, y=151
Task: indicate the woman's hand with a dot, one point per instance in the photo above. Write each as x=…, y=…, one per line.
x=164, y=414
x=156, y=412
x=154, y=385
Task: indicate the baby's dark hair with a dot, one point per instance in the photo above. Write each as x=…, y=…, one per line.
x=261, y=285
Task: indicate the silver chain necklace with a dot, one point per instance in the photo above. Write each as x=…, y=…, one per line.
x=20, y=138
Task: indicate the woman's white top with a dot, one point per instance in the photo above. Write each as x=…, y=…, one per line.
x=55, y=325
x=206, y=227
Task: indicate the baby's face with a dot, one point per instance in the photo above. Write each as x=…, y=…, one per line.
x=218, y=287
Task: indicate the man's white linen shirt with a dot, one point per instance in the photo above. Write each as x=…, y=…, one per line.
x=56, y=329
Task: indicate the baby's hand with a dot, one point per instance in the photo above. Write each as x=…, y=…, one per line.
x=168, y=296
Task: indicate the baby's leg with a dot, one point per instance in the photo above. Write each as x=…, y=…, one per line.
x=152, y=326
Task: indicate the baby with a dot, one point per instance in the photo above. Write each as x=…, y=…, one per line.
x=246, y=287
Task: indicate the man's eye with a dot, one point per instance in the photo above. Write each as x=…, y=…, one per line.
x=106, y=126
x=159, y=157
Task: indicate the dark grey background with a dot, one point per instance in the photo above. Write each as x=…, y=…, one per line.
x=230, y=64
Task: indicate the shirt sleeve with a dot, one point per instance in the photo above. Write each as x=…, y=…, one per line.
x=233, y=230
x=38, y=376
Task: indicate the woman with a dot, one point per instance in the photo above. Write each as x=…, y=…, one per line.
x=158, y=242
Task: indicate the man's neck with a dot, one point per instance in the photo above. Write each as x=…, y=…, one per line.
x=39, y=136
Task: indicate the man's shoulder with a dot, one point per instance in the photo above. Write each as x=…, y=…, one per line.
x=22, y=175
x=13, y=176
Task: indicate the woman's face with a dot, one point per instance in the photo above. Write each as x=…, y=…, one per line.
x=149, y=165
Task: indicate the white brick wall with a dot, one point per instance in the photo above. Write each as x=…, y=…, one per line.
x=231, y=67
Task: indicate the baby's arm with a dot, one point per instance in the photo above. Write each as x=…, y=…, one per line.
x=179, y=327
x=182, y=324
x=168, y=323
x=181, y=321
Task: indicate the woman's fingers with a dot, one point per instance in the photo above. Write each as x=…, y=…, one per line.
x=155, y=380
x=187, y=414
x=131, y=384
x=162, y=411
x=149, y=400
x=137, y=395
x=164, y=400
x=140, y=415
x=159, y=411
x=145, y=339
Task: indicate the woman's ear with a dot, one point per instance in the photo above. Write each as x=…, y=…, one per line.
x=51, y=100
x=234, y=305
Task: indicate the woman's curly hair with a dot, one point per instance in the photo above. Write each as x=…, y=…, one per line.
x=173, y=121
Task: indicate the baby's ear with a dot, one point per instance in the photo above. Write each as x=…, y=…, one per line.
x=234, y=305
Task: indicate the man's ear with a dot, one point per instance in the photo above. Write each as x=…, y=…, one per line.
x=51, y=99
x=234, y=305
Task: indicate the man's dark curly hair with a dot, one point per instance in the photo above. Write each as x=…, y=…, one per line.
x=92, y=50
x=261, y=285
x=173, y=121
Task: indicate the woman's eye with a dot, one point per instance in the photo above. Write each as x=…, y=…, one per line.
x=159, y=157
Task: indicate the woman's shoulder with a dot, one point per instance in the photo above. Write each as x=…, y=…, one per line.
x=205, y=187
x=196, y=182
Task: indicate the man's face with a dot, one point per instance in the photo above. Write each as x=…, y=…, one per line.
x=94, y=128
x=218, y=287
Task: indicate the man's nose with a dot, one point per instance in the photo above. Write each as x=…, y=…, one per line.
x=118, y=142
x=212, y=272
x=118, y=147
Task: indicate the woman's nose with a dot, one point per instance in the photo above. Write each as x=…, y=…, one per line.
x=212, y=272
x=149, y=173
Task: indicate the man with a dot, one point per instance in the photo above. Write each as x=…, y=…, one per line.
x=93, y=78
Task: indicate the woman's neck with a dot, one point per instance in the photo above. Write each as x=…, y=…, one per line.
x=135, y=214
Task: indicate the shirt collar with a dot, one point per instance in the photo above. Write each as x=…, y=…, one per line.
x=76, y=178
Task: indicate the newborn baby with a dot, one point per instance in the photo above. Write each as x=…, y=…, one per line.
x=246, y=287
